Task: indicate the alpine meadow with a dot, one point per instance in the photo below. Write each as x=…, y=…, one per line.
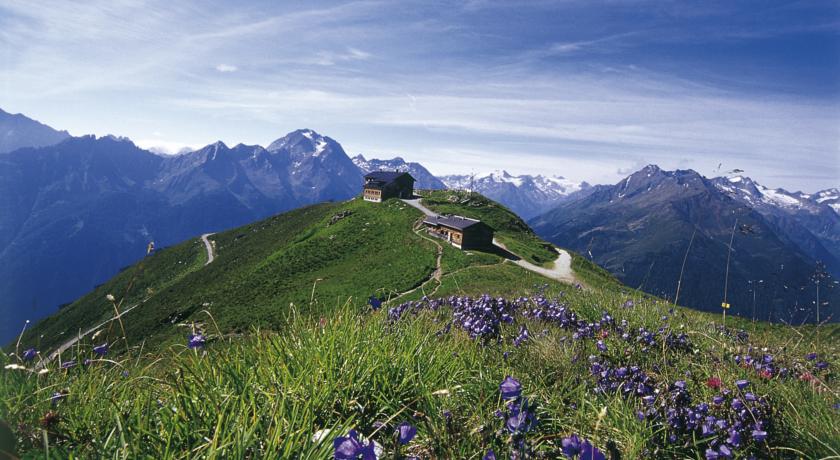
x=493, y=230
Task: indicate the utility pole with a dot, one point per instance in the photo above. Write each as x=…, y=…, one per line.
x=819, y=274
x=818, y=300
x=724, y=304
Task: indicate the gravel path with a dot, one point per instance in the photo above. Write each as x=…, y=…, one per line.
x=211, y=256
x=416, y=204
x=560, y=271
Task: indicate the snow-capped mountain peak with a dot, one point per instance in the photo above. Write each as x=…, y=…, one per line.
x=756, y=195
x=526, y=195
x=425, y=179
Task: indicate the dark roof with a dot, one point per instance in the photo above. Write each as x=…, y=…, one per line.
x=456, y=222
x=384, y=176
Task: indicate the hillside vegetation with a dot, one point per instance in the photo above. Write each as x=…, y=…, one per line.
x=600, y=365
x=511, y=231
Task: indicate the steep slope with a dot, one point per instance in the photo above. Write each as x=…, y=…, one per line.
x=425, y=179
x=72, y=215
x=317, y=168
x=640, y=228
x=342, y=250
x=525, y=195
x=18, y=131
x=78, y=211
x=493, y=350
x=807, y=220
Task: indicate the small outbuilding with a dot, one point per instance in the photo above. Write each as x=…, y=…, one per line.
x=381, y=185
x=461, y=232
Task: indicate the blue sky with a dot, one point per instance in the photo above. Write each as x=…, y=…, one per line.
x=590, y=90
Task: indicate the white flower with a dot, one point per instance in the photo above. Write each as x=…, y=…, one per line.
x=43, y=371
x=110, y=297
x=16, y=367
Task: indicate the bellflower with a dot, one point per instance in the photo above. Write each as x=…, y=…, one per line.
x=510, y=388
x=405, y=433
x=101, y=350
x=29, y=354
x=196, y=341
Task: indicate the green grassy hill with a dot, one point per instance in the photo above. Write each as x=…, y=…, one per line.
x=289, y=363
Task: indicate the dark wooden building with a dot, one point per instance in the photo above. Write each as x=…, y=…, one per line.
x=461, y=232
x=381, y=185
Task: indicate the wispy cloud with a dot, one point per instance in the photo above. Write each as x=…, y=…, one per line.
x=577, y=88
x=328, y=58
x=226, y=68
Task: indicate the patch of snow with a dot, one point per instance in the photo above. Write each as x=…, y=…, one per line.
x=320, y=146
x=778, y=198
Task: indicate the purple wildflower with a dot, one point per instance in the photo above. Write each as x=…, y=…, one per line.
x=490, y=455
x=575, y=447
x=523, y=336
x=734, y=438
x=29, y=354
x=196, y=341
x=590, y=452
x=405, y=433
x=601, y=346
x=68, y=364
x=374, y=303
x=350, y=447
x=510, y=388
x=571, y=446
x=101, y=350
x=759, y=435
x=741, y=384
x=521, y=418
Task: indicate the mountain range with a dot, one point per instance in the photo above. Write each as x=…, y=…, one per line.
x=77, y=209
x=640, y=229
x=525, y=195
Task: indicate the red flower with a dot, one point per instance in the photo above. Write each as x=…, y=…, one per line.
x=713, y=382
x=766, y=374
x=806, y=377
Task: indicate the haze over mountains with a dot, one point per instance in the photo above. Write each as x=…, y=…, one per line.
x=76, y=210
